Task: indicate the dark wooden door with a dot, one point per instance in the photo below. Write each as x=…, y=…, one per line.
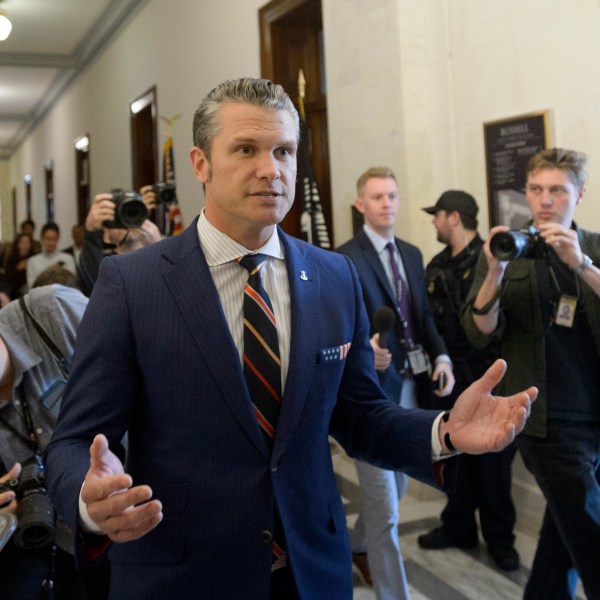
x=82, y=175
x=144, y=147
x=49, y=177
x=292, y=39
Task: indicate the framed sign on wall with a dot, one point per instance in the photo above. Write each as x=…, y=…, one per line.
x=509, y=144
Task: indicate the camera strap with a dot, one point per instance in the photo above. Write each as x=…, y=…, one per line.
x=63, y=363
x=31, y=439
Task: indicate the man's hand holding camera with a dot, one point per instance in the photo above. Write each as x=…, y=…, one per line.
x=102, y=210
x=564, y=242
x=485, y=305
x=8, y=502
x=119, y=509
x=149, y=198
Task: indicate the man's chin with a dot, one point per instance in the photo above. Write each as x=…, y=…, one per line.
x=544, y=219
x=272, y=215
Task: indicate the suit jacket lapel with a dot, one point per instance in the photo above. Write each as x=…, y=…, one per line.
x=304, y=294
x=189, y=280
x=374, y=261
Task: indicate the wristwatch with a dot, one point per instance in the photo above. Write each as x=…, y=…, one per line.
x=585, y=263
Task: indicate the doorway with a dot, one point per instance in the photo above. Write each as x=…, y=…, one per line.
x=291, y=39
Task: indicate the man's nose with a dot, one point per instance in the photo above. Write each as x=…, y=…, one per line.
x=268, y=167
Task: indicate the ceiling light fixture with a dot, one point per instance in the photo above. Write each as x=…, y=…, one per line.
x=5, y=26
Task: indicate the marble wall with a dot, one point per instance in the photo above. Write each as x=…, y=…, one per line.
x=411, y=84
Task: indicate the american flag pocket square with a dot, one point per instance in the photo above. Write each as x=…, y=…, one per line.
x=333, y=354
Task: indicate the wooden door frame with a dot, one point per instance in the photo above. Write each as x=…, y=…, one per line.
x=274, y=66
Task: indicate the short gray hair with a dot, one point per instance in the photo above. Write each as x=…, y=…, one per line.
x=258, y=92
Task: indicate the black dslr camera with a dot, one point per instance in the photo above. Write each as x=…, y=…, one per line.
x=130, y=211
x=518, y=243
x=35, y=511
x=165, y=192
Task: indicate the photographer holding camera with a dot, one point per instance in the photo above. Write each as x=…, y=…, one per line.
x=37, y=339
x=520, y=303
x=116, y=223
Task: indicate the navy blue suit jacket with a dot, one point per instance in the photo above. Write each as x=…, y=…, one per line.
x=155, y=358
x=377, y=292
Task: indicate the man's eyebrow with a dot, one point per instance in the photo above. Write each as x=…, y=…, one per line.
x=291, y=141
x=244, y=140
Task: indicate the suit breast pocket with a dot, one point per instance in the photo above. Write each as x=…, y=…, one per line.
x=333, y=354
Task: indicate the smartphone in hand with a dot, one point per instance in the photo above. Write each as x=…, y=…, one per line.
x=440, y=384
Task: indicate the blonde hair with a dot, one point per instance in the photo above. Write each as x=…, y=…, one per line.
x=373, y=172
x=559, y=158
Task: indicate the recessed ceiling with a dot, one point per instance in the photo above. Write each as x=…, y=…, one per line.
x=50, y=42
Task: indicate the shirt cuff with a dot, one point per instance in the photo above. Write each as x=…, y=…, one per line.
x=85, y=521
x=436, y=445
x=443, y=358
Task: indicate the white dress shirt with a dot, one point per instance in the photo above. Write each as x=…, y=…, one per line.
x=230, y=278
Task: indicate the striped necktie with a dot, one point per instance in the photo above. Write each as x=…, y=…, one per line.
x=262, y=370
x=262, y=367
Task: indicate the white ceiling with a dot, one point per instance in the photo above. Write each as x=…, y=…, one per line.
x=51, y=41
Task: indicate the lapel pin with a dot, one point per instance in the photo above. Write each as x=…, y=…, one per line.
x=303, y=276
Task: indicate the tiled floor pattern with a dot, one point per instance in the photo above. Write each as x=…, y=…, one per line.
x=450, y=574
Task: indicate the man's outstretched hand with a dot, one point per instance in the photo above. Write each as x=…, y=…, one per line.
x=120, y=511
x=480, y=422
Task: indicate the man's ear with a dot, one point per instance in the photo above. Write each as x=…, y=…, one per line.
x=200, y=164
x=454, y=217
x=359, y=205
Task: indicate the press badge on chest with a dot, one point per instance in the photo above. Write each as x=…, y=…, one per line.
x=418, y=360
x=565, y=312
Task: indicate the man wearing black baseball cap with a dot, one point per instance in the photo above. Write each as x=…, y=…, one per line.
x=455, y=200
x=483, y=481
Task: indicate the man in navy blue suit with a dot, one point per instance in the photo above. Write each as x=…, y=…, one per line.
x=203, y=495
x=413, y=357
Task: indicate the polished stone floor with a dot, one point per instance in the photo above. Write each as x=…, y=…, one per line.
x=450, y=574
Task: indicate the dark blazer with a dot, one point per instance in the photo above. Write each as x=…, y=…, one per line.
x=377, y=292
x=155, y=358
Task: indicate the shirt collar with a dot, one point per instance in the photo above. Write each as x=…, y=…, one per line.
x=379, y=242
x=219, y=248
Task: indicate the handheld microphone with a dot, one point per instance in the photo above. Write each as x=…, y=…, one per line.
x=384, y=320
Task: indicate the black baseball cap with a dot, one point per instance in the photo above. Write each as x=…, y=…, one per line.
x=455, y=200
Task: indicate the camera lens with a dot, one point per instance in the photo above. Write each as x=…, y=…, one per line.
x=35, y=514
x=36, y=536
x=132, y=213
x=508, y=245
